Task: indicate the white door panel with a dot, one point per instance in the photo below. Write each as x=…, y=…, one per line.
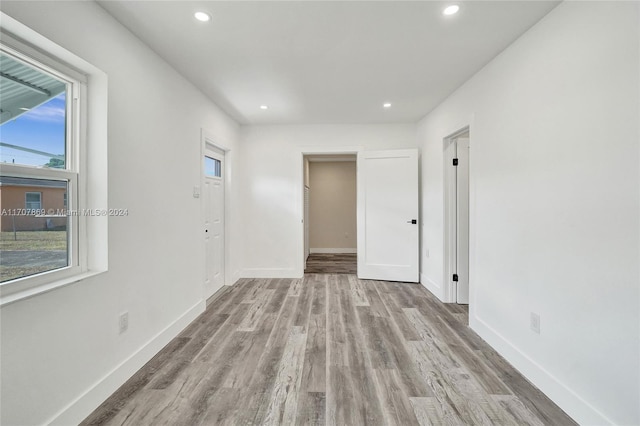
x=388, y=241
x=306, y=224
x=462, y=220
x=214, y=226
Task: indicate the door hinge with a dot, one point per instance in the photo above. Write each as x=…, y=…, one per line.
x=455, y=161
x=455, y=277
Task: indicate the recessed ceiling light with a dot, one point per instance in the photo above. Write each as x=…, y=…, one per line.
x=264, y=107
x=386, y=105
x=202, y=16
x=451, y=10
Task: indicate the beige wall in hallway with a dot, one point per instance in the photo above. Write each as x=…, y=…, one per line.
x=332, y=207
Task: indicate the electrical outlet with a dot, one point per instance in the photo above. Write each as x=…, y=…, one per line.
x=124, y=322
x=535, y=322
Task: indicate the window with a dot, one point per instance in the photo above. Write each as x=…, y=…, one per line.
x=212, y=167
x=53, y=128
x=39, y=124
x=33, y=201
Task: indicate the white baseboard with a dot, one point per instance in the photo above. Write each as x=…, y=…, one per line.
x=334, y=250
x=234, y=278
x=86, y=403
x=270, y=273
x=572, y=404
x=431, y=285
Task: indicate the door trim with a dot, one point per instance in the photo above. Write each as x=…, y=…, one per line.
x=210, y=139
x=299, y=179
x=449, y=223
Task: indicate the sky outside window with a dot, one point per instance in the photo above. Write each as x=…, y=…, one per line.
x=40, y=129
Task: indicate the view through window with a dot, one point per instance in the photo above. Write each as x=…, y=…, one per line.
x=35, y=177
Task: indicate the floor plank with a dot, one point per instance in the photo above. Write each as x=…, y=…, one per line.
x=329, y=263
x=429, y=412
x=256, y=311
x=395, y=402
x=284, y=397
x=328, y=349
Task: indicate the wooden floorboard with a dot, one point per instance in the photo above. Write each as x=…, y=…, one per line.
x=328, y=349
x=330, y=263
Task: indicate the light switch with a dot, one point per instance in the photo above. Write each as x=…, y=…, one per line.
x=196, y=191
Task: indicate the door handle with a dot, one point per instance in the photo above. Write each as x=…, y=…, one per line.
x=413, y=221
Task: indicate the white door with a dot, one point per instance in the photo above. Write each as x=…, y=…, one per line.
x=306, y=225
x=214, y=220
x=388, y=237
x=462, y=220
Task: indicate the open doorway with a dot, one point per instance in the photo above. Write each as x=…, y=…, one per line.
x=456, y=191
x=330, y=214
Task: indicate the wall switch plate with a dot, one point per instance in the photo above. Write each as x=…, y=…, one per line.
x=426, y=253
x=123, y=322
x=535, y=322
x=196, y=191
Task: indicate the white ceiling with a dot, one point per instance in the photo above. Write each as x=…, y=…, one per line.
x=327, y=61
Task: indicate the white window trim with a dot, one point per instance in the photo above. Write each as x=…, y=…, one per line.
x=87, y=173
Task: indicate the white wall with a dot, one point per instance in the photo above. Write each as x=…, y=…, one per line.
x=61, y=352
x=271, y=180
x=554, y=205
x=332, y=212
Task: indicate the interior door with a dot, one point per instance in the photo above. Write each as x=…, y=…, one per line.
x=388, y=233
x=462, y=220
x=214, y=221
x=306, y=225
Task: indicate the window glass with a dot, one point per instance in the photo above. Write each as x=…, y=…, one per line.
x=212, y=167
x=33, y=237
x=33, y=201
x=33, y=115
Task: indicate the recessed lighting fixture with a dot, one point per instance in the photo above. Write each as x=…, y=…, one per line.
x=451, y=10
x=264, y=107
x=202, y=16
x=386, y=105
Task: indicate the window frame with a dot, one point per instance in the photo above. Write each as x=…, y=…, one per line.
x=217, y=167
x=27, y=202
x=75, y=104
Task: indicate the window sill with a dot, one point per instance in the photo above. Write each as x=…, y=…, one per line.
x=15, y=296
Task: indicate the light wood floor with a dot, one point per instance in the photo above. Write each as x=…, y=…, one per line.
x=329, y=263
x=328, y=349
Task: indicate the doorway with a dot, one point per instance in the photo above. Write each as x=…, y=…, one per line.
x=214, y=218
x=330, y=202
x=386, y=212
x=456, y=191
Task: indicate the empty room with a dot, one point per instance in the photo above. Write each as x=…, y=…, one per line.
x=319, y=212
